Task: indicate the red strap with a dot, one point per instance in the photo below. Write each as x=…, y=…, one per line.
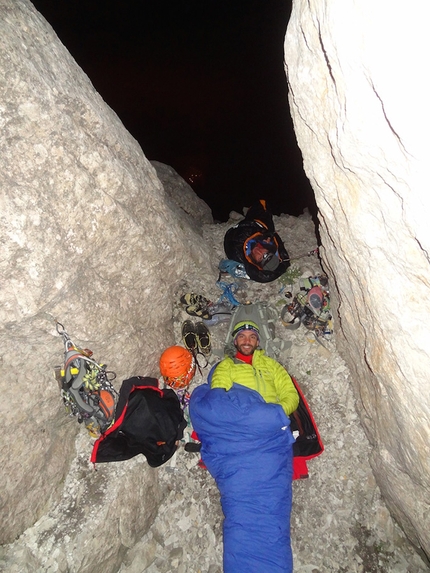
x=313, y=422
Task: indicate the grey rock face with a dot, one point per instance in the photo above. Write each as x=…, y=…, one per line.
x=362, y=124
x=190, y=206
x=88, y=237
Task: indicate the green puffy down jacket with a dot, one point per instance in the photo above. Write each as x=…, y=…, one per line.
x=265, y=375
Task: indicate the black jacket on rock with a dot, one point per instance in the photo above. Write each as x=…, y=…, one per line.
x=148, y=421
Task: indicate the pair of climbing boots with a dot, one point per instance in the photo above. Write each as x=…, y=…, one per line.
x=196, y=305
x=196, y=338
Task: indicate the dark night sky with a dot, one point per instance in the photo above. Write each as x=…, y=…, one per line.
x=200, y=84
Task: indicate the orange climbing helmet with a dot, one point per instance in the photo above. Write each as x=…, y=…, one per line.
x=177, y=366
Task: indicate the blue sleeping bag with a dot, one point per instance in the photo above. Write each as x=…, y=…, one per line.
x=247, y=448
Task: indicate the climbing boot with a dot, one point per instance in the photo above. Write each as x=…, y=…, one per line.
x=196, y=305
x=203, y=339
x=189, y=336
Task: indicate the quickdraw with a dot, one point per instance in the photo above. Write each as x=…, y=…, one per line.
x=85, y=386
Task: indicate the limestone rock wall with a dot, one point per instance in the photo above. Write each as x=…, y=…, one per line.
x=358, y=96
x=189, y=206
x=88, y=236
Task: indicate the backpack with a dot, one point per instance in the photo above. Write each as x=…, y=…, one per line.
x=265, y=316
x=148, y=421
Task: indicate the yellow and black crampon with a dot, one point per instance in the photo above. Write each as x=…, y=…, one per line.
x=86, y=387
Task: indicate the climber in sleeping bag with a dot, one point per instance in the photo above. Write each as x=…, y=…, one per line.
x=242, y=421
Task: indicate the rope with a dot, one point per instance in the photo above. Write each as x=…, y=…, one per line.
x=184, y=397
x=196, y=354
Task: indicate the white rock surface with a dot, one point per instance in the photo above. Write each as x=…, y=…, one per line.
x=357, y=96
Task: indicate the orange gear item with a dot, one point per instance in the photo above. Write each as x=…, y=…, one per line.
x=107, y=404
x=177, y=366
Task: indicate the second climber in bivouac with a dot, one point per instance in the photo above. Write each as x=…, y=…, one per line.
x=254, y=243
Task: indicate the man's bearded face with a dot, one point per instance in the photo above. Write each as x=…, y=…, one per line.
x=246, y=342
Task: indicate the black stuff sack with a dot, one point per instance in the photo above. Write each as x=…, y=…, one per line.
x=148, y=421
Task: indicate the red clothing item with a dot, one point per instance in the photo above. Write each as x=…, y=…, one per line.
x=243, y=358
